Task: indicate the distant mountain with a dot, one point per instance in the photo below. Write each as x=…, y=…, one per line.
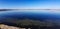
x=7, y=9
x=4, y=9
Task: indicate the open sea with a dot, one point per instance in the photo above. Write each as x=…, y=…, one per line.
x=41, y=15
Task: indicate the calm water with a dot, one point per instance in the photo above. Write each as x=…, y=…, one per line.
x=41, y=15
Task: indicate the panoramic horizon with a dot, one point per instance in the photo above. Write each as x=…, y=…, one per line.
x=30, y=14
x=29, y=4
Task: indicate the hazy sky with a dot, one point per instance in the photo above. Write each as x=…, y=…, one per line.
x=30, y=4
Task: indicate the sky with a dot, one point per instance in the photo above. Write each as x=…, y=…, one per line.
x=29, y=4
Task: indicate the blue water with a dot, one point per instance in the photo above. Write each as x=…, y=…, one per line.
x=38, y=14
x=41, y=15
